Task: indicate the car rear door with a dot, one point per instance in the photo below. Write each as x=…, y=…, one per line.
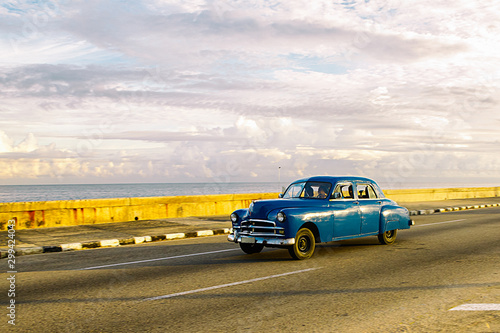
x=369, y=205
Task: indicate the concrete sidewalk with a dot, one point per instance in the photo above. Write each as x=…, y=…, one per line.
x=42, y=240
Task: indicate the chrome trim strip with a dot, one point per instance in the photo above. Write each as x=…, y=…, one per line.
x=259, y=220
x=261, y=227
x=261, y=234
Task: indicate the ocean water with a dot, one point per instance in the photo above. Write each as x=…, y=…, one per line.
x=20, y=193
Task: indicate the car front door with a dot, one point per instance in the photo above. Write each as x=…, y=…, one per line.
x=369, y=205
x=347, y=215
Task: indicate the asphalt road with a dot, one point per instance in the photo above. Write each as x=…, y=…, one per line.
x=209, y=285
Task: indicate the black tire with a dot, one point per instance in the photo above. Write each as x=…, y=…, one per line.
x=304, y=245
x=388, y=237
x=251, y=248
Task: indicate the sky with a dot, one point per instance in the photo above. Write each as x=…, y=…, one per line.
x=404, y=92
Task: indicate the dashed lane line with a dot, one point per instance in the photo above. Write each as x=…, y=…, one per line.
x=428, y=224
x=157, y=259
x=477, y=307
x=228, y=285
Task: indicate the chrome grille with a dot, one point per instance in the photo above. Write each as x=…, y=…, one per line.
x=260, y=228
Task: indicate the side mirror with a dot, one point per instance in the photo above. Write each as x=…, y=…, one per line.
x=280, y=195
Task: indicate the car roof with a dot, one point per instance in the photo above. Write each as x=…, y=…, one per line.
x=334, y=179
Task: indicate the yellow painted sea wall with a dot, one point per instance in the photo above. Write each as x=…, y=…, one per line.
x=41, y=214
x=437, y=194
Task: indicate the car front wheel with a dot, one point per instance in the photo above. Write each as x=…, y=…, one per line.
x=251, y=248
x=388, y=237
x=304, y=245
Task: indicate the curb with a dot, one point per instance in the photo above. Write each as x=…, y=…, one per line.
x=449, y=209
x=114, y=242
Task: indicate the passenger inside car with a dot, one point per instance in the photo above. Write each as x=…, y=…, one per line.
x=322, y=192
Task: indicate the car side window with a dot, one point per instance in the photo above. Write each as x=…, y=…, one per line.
x=337, y=193
x=343, y=191
x=347, y=191
x=371, y=192
x=366, y=191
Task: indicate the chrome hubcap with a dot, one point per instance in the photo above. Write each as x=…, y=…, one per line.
x=303, y=244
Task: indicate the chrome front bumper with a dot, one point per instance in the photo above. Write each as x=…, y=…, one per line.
x=260, y=240
x=258, y=231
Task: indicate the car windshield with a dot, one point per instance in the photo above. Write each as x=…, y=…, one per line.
x=294, y=190
x=310, y=190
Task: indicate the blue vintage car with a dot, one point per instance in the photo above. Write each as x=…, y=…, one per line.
x=315, y=210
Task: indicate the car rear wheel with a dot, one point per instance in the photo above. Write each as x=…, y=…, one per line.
x=388, y=237
x=251, y=248
x=304, y=245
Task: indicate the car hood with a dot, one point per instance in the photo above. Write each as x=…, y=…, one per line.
x=261, y=208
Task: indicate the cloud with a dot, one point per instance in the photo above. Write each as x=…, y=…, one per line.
x=99, y=91
x=160, y=136
x=7, y=145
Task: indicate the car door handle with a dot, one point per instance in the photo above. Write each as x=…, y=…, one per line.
x=356, y=202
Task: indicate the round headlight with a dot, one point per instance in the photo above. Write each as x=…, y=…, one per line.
x=281, y=217
x=234, y=217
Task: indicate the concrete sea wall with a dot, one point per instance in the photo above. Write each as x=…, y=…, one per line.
x=437, y=194
x=42, y=214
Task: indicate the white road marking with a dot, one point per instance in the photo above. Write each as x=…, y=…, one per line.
x=477, y=307
x=158, y=259
x=229, y=284
x=424, y=225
